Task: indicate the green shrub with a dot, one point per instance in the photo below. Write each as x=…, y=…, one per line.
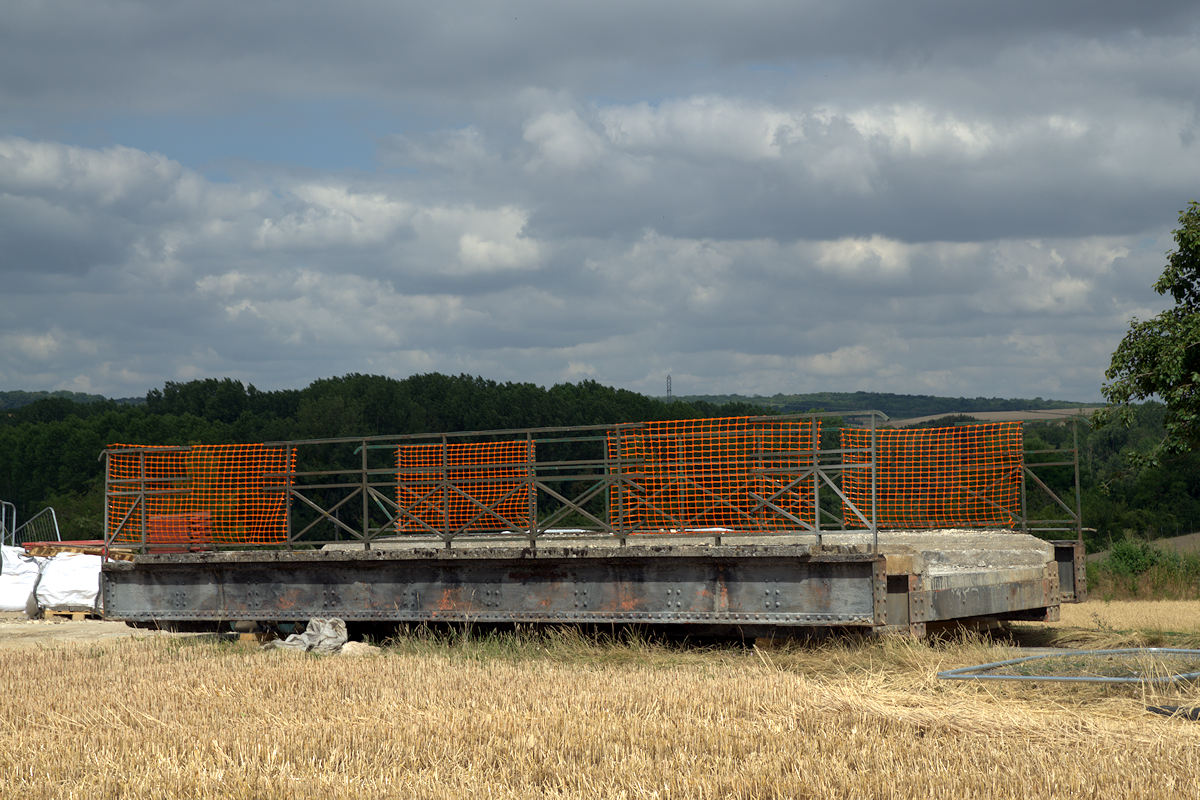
x=1130, y=558
x=1137, y=568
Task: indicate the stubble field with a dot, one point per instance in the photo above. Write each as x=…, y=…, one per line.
x=559, y=714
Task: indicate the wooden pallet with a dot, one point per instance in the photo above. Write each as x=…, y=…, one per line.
x=70, y=616
x=51, y=549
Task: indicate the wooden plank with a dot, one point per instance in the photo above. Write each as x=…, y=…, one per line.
x=51, y=549
x=70, y=616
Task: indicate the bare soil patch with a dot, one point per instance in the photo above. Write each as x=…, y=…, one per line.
x=18, y=632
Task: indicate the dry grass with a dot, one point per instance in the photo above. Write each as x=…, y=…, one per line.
x=1181, y=616
x=1120, y=623
x=565, y=716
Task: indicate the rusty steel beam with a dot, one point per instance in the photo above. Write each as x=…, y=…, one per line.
x=782, y=586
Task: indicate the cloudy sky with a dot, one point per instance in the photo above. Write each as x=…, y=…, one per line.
x=760, y=197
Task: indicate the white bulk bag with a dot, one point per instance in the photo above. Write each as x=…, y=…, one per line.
x=70, y=582
x=18, y=578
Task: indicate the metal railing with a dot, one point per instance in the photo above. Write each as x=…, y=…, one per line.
x=558, y=483
x=1035, y=465
x=41, y=527
x=578, y=485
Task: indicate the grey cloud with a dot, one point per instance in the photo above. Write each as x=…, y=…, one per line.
x=775, y=197
x=157, y=56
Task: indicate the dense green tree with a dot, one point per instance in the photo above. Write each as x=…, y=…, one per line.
x=1160, y=357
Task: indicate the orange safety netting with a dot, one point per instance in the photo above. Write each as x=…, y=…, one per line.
x=199, y=495
x=474, y=486
x=967, y=476
x=740, y=473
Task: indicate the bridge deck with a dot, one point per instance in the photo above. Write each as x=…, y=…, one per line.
x=748, y=582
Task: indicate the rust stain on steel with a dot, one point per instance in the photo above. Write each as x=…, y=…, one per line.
x=288, y=599
x=551, y=592
x=821, y=590
x=627, y=600
x=451, y=601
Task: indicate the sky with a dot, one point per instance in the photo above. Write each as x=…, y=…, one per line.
x=944, y=198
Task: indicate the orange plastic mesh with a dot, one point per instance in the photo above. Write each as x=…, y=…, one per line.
x=199, y=495
x=968, y=476
x=706, y=473
x=473, y=486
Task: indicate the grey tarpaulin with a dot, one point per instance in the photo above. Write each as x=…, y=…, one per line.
x=320, y=636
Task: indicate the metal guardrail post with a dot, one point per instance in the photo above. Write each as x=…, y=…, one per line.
x=142, y=496
x=531, y=488
x=816, y=458
x=447, y=535
x=1078, y=495
x=874, y=488
x=8, y=530
x=366, y=506
x=289, y=490
x=1024, y=499
x=104, y=516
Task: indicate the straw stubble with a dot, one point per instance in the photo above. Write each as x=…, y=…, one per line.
x=162, y=718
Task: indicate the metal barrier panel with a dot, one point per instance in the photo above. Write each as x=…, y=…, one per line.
x=473, y=486
x=199, y=495
x=741, y=473
x=41, y=527
x=711, y=477
x=965, y=476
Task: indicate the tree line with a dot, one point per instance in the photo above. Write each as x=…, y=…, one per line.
x=50, y=447
x=896, y=406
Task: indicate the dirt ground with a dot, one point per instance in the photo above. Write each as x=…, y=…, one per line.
x=17, y=632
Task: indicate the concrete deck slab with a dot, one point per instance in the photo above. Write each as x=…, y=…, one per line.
x=931, y=552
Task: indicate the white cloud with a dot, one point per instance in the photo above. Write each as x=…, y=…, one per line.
x=919, y=131
x=474, y=240
x=334, y=215
x=864, y=257
x=34, y=346
x=703, y=127
x=855, y=360
x=562, y=141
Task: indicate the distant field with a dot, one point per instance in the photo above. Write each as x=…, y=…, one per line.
x=1146, y=616
x=1040, y=415
x=561, y=715
x=1188, y=543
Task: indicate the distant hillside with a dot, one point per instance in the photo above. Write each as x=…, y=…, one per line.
x=897, y=406
x=16, y=399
